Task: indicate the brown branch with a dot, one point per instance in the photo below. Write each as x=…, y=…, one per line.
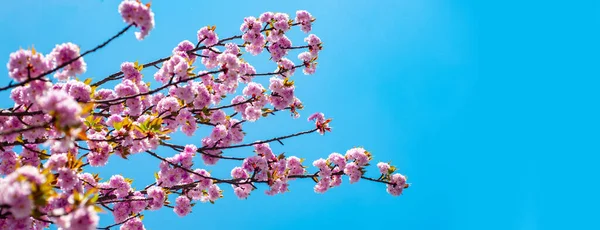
x=259, y=142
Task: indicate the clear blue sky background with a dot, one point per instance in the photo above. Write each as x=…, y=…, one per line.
x=491, y=109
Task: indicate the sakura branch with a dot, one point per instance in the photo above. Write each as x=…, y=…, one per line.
x=58, y=129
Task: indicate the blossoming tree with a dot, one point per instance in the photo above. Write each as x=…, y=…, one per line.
x=61, y=126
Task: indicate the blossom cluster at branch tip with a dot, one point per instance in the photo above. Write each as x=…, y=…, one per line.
x=139, y=15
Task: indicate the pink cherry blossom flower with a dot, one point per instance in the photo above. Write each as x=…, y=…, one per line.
x=398, y=184
x=219, y=132
x=79, y=90
x=207, y=36
x=183, y=48
x=133, y=224
x=67, y=179
x=338, y=159
x=24, y=64
x=8, y=162
x=121, y=186
x=64, y=108
x=353, y=171
x=359, y=155
x=218, y=117
x=305, y=19
x=63, y=54
x=383, y=167
x=139, y=15
x=83, y=218
x=158, y=197
x=182, y=206
x=121, y=211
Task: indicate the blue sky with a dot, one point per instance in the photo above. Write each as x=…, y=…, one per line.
x=490, y=108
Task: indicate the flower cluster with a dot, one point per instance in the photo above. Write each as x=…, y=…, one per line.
x=253, y=38
x=25, y=64
x=138, y=14
x=61, y=106
x=207, y=36
x=67, y=53
x=305, y=19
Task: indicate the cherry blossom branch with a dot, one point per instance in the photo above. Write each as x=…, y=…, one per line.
x=180, y=148
x=10, y=86
x=260, y=142
x=117, y=75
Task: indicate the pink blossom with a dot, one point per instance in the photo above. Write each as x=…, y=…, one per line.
x=83, y=218
x=167, y=105
x=321, y=164
x=121, y=186
x=282, y=95
x=210, y=59
x=203, y=182
x=305, y=19
x=218, y=117
x=398, y=184
x=253, y=89
x=294, y=164
x=281, y=22
x=64, y=108
x=240, y=107
x=67, y=179
x=30, y=173
x=88, y=180
x=207, y=36
x=139, y=15
x=56, y=161
x=337, y=159
x=219, y=132
x=183, y=48
x=214, y=192
x=264, y=149
x=266, y=17
x=8, y=162
x=133, y=224
x=286, y=67
x=309, y=63
x=353, y=171
x=24, y=64
x=63, y=54
x=242, y=191
x=202, y=97
x=182, y=206
x=317, y=117
x=187, y=121
x=16, y=195
x=359, y=155
x=98, y=158
x=383, y=167
x=158, y=197
x=252, y=113
x=130, y=72
x=138, y=202
x=185, y=93
x=79, y=90
x=121, y=211
x=29, y=155
x=323, y=185
x=239, y=173
x=280, y=48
